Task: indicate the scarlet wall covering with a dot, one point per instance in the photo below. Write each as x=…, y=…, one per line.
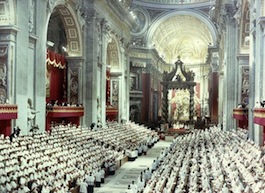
x=213, y=96
x=146, y=87
x=55, y=59
x=55, y=77
x=7, y=112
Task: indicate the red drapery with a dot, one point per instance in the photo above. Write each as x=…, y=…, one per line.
x=55, y=59
x=55, y=77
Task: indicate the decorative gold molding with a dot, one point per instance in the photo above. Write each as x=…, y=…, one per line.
x=8, y=109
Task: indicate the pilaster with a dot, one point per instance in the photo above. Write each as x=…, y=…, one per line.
x=103, y=59
x=259, y=72
x=91, y=66
x=230, y=73
x=22, y=67
x=74, y=80
x=253, y=91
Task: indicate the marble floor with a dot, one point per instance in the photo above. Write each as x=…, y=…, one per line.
x=131, y=170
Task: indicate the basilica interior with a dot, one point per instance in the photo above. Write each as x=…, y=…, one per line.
x=163, y=65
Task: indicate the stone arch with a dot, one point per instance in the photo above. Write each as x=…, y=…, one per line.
x=71, y=26
x=202, y=17
x=113, y=53
x=244, y=28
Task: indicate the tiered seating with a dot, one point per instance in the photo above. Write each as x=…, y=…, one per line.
x=59, y=160
x=210, y=161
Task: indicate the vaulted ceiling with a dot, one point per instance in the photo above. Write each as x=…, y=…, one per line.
x=184, y=36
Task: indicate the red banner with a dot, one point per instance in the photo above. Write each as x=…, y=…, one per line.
x=55, y=59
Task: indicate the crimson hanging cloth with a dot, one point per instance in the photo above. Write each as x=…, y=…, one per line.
x=56, y=77
x=55, y=59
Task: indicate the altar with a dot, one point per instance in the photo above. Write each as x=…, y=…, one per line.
x=178, y=104
x=7, y=113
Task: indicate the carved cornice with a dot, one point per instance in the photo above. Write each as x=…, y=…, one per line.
x=116, y=74
x=150, y=57
x=228, y=13
x=121, y=12
x=8, y=33
x=74, y=61
x=169, y=4
x=261, y=22
x=136, y=94
x=243, y=59
x=213, y=57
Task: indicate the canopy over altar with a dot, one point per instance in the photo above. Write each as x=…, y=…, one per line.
x=178, y=95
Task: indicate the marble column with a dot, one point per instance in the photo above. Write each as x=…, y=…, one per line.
x=230, y=73
x=30, y=66
x=103, y=60
x=259, y=73
x=126, y=110
x=256, y=71
x=90, y=72
x=38, y=35
x=122, y=94
x=21, y=67
x=220, y=97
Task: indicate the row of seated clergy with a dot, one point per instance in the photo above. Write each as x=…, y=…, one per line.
x=57, y=159
x=132, y=154
x=144, y=177
x=203, y=161
x=91, y=180
x=142, y=148
x=146, y=174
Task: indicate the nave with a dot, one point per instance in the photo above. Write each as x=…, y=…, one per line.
x=210, y=161
x=130, y=171
x=206, y=161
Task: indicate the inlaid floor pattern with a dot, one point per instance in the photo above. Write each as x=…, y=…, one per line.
x=131, y=170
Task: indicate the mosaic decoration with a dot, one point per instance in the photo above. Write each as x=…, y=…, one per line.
x=115, y=93
x=245, y=85
x=3, y=74
x=74, y=86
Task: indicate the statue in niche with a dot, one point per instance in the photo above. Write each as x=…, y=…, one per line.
x=47, y=82
x=132, y=83
x=31, y=113
x=99, y=123
x=31, y=15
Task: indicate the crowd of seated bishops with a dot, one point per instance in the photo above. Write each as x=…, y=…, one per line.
x=207, y=161
x=55, y=162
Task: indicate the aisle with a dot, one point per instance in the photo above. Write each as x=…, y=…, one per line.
x=131, y=170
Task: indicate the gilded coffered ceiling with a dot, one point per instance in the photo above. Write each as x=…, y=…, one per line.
x=170, y=4
x=184, y=36
x=173, y=1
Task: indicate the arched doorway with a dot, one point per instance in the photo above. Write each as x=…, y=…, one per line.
x=63, y=67
x=113, y=80
x=190, y=35
x=135, y=113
